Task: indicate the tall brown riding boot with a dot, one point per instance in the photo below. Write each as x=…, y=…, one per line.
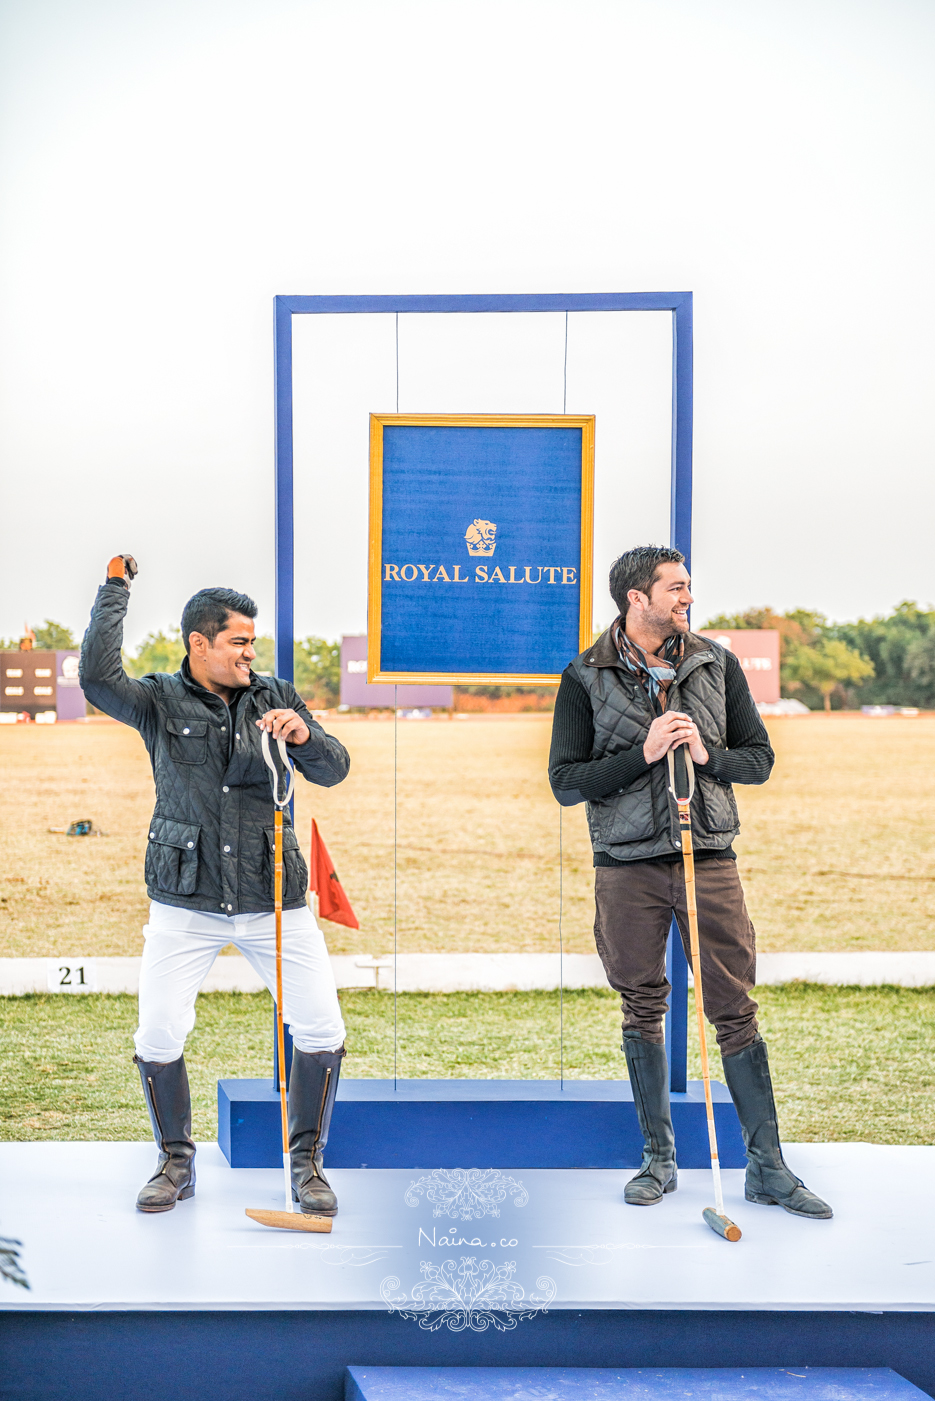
x=169, y=1101
x=313, y=1084
x=648, y=1068
x=769, y=1181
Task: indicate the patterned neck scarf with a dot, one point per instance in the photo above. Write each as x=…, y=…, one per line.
x=656, y=671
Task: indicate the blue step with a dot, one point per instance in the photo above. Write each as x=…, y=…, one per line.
x=794, y=1383
x=489, y=1123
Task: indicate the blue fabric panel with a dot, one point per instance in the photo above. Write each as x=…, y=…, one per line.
x=483, y=617
x=502, y=1123
x=629, y=1384
x=274, y=1355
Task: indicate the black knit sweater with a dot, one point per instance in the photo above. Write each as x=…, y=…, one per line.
x=576, y=777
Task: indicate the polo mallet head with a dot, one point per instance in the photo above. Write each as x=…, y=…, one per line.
x=722, y=1225
x=713, y=1215
x=290, y=1220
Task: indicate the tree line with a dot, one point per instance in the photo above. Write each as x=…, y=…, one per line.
x=874, y=661
x=317, y=662
x=51, y=637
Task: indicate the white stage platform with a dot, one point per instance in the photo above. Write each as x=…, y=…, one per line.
x=554, y=1239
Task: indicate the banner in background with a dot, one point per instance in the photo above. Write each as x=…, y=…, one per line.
x=356, y=691
x=757, y=651
x=481, y=531
x=41, y=683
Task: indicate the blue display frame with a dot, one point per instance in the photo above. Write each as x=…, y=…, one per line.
x=679, y=304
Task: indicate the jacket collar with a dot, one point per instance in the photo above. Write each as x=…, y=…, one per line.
x=604, y=653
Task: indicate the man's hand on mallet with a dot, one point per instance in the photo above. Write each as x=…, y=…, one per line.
x=670, y=731
x=287, y=725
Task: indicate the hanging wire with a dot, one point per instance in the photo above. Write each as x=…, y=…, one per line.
x=561, y=959
x=395, y=904
x=561, y=857
x=395, y=821
x=565, y=372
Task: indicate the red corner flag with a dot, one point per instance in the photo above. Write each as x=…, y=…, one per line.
x=333, y=904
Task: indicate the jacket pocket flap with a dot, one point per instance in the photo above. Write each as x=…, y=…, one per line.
x=637, y=786
x=290, y=841
x=186, y=727
x=168, y=832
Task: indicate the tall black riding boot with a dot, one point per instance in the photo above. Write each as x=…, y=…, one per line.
x=648, y=1068
x=313, y=1084
x=769, y=1180
x=169, y=1101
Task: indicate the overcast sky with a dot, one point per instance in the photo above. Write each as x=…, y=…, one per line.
x=167, y=167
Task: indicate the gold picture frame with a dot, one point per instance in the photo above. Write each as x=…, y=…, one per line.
x=378, y=421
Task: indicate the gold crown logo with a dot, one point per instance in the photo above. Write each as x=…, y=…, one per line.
x=481, y=537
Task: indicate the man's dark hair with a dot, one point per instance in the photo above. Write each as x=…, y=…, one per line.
x=208, y=610
x=638, y=569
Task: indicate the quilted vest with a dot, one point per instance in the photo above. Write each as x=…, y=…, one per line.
x=641, y=822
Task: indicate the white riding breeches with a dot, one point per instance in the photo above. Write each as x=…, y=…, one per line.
x=181, y=945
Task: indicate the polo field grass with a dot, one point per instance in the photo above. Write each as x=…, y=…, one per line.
x=832, y=854
x=849, y=1064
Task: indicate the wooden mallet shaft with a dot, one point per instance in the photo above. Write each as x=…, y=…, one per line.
x=289, y=1219
x=280, y=1031
x=714, y=1217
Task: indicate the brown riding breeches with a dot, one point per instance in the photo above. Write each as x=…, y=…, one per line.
x=634, y=908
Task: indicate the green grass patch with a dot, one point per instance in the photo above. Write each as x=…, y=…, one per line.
x=848, y=1064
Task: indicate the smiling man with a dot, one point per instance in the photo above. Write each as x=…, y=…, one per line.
x=209, y=866
x=646, y=686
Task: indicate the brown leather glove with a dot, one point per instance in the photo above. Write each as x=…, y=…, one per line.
x=122, y=567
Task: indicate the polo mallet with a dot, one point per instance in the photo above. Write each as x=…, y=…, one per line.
x=714, y=1216
x=290, y=1219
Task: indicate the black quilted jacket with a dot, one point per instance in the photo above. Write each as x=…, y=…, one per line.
x=211, y=836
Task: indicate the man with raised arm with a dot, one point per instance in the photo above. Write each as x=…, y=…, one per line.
x=209, y=867
x=646, y=686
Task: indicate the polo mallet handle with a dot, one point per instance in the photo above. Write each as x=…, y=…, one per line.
x=280, y=803
x=688, y=861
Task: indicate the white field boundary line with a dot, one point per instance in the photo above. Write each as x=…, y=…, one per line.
x=460, y=972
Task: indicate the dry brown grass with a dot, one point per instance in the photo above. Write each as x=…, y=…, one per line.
x=837, y=850
x=75, y=895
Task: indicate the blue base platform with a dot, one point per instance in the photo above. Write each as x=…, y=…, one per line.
x=628, y=1384
x=440, y=1123
x=435, y=1269
x=287, y=1356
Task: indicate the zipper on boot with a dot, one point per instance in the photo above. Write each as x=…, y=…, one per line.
x=324, y=1101
x=162, y=1132
x=152, y=1100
